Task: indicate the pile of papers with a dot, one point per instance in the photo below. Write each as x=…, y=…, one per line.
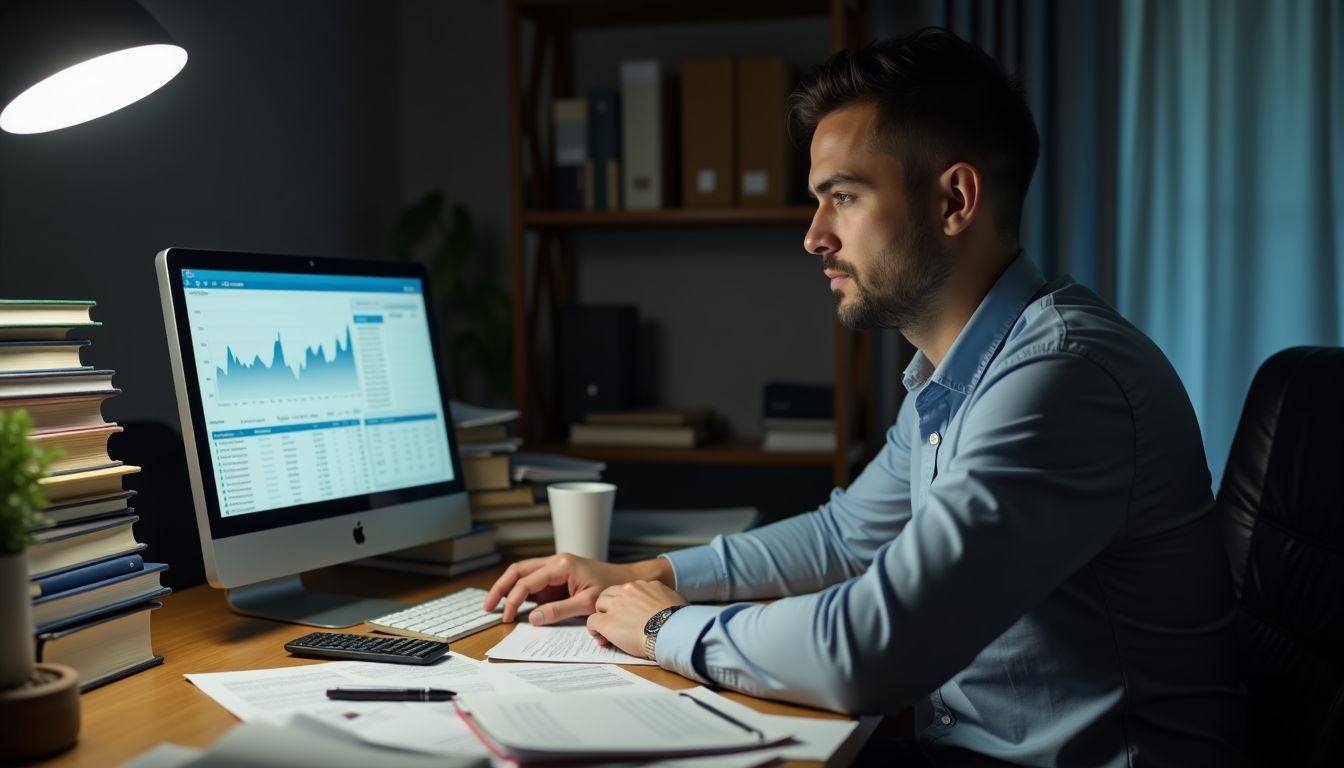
x=285, y=707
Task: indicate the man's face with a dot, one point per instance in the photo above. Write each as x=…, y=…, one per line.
x=878, y=246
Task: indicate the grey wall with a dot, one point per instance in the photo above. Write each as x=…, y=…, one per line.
x=303, y=126
x=281, y=134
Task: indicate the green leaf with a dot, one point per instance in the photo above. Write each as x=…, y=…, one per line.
x=22, y=464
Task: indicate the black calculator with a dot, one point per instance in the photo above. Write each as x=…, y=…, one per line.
x=349, y=647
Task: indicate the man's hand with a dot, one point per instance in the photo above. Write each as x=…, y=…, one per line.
x=566, y=585
x=624, y=609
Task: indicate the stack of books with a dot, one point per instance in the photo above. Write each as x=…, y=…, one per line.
x=520, y=522
x=92, y=592
x=685, y=428
x=799, y=418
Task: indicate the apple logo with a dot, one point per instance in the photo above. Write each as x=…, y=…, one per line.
x=359, y=532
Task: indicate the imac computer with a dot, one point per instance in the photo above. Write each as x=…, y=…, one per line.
x=315, y=420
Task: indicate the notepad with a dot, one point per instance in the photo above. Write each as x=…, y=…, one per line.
x=607, y=726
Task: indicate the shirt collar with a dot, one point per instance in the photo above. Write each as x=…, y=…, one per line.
x=977, y=343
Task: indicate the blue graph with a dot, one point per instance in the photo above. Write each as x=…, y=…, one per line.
x=315, y=375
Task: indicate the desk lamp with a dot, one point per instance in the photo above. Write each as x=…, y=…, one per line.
x=62, y=63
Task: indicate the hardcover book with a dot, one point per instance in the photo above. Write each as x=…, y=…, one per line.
x=42, y=356
x=105, y=648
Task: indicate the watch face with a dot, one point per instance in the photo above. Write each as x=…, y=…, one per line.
x=656, y=621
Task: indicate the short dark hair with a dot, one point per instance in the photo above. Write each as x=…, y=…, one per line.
x=940, y=100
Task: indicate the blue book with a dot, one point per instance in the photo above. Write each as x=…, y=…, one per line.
x=89, y=574
x=85, y=602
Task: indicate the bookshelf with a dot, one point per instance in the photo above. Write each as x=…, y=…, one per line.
x=544, y=260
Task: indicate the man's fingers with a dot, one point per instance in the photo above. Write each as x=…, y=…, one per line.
x=530, y=584
x=577, y=605
x=595, y=623
x=506, y=581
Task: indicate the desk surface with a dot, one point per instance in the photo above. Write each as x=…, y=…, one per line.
x=196, y=632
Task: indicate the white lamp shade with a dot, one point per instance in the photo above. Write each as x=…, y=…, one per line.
x=93, y=88
x=64, y=62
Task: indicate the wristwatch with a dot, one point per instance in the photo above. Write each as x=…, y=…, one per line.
x=654, y=624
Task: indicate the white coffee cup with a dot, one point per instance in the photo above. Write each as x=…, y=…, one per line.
x=581, y=514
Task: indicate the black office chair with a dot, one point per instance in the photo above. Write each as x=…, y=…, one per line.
x=1282, y=507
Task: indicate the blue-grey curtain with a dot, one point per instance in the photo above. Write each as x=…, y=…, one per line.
x=1192, y=168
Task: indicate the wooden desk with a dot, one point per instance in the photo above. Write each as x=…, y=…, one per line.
x=196, y=632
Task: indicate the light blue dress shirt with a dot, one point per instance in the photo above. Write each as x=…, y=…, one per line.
x=1032, y=552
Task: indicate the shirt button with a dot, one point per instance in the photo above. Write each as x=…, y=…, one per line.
x=933, y=438
x=947, y=719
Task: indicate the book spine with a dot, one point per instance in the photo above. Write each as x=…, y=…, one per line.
x=642, y=139
x=604, y=147
x=571, y=151
x=89, y=574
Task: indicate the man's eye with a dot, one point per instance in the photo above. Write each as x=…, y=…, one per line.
x=841, y=198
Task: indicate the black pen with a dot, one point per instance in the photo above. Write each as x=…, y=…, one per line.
x=759, y=736
x=391, y=694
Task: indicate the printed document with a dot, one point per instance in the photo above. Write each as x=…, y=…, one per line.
x=565, y=642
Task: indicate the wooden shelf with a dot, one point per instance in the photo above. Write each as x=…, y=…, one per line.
x=739, y=452
x=613, y=12
x=789, y=213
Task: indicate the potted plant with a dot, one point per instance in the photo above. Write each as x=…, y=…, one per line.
x=39, y=701
x=475, y=315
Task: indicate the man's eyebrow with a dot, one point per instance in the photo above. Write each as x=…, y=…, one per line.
x=839, y=178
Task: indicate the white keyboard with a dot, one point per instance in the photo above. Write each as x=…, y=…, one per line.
x=455, y=615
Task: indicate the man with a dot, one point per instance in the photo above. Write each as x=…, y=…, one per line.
x=1032, y=552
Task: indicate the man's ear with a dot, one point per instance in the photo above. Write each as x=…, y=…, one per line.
x=960, y=192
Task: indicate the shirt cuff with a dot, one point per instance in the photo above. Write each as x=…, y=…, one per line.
x=675, y=649
x=700, y=574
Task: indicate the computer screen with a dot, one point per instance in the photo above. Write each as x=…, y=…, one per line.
x=313, y=408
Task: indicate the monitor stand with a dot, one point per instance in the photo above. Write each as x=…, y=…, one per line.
x=286, y=599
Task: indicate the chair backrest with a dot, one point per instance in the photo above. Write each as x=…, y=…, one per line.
x=1282, y=507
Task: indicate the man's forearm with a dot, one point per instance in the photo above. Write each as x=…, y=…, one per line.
x=656, y=569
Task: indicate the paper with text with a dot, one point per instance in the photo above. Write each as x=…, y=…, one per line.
x=570, y=643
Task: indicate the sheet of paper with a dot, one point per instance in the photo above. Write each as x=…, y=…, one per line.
x=430, y=727
x=595, y=723
x=568, y=642
x=813, y=739
x=165, y=755
x=555, y=678
x=270, y=695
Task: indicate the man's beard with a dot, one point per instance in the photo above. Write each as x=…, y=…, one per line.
x=902, y=285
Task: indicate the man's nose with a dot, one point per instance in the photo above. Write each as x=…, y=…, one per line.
x=820, y=239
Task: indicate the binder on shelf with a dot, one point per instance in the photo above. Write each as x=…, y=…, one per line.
x=708, y=162
x=602, y=180
x=644, y=139
x=570, y=138
x=763, y=151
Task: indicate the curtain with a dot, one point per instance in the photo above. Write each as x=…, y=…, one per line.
x=1191, y=172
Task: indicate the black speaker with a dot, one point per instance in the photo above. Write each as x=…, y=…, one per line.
x=595, y=361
